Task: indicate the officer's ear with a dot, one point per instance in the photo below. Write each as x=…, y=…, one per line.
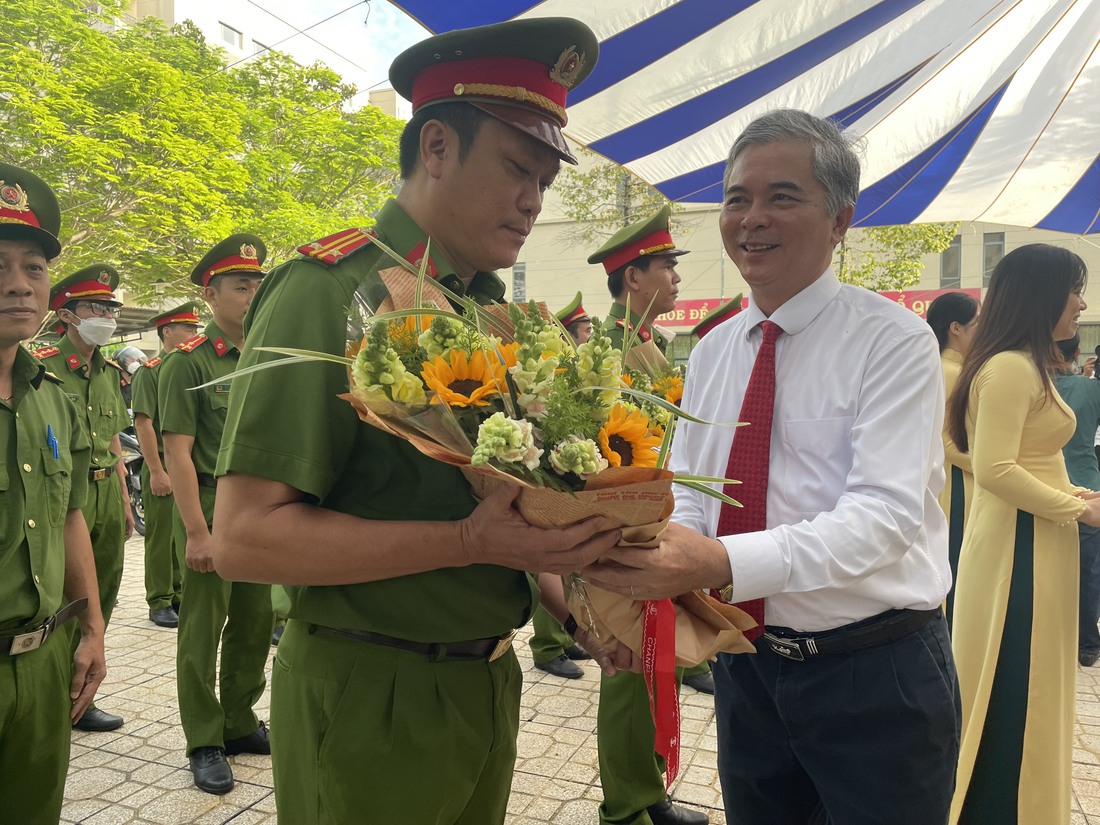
x=437, y=142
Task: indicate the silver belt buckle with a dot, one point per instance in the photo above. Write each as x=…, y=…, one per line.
x=503, y=646
x=26, y=642
x=787, y=648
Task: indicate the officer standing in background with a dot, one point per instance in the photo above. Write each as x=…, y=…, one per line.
x=163, y=571
x=640, y=262
x=47, y=573
x=86, y=309
x=237, y=614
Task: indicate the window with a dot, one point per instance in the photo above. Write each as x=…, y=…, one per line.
x=951, y=265
x=993, y=249
x=519, y=282
x=231, y=36
x=258, y=47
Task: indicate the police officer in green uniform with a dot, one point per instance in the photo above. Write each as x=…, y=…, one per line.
x=47, y=574
x=86, y=310
x=716, y=316
x=395, y=690
x=552, y=649
x=640, y=262
x=163, y=573
x=236, y=614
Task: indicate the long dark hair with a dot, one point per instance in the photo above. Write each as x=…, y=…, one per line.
x=946, y=310
x=1027, y=296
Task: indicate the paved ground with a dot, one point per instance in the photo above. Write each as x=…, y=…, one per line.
x=139, y=774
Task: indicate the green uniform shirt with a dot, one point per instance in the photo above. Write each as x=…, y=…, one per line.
x=37, y=491
x=288, y=424
x=616, y=326
x=95, y=389
x=197, y=413
x=145, y=394
x=1082, y=395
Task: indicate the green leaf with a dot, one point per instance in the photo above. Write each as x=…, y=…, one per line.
x=705, y=490
x=266, y=365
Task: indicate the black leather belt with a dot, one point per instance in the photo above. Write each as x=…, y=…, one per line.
x=99, y=473
x=491, y=649
x=878, y=630
x=207, y=480
x=34, y=639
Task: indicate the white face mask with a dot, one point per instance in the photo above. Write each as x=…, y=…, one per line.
x=96, y=332
x=133, y=367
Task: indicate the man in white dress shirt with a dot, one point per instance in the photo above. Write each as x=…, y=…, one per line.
x=848, y=713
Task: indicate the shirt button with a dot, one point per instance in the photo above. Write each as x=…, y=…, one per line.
x=31, y=524
x=26, y=468
x=93, y=435
x=89, y=408
x=36, y=579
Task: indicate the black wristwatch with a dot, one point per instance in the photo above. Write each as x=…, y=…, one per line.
x=570, y=625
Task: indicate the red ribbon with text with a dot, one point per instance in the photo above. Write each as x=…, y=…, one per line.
x=659, y=670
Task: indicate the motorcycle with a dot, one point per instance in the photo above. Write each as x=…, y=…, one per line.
x=132, y=457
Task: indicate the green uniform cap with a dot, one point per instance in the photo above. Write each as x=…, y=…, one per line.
x=242, y=253
x=653, y=236
x=97, y=282
x=518, y=71
x=717, y=316
x=187, y=313
x=28, y=209
x=573, y=312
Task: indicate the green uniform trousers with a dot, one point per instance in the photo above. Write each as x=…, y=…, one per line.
x=362, y=733
x=163, y=577
x=34, y=733
x=236, y=614
x=107, y=527
x=631, y=773
x=549, y=641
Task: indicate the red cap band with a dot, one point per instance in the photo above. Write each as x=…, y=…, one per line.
x=649, y=245
x=25, y=217
x=528, y=83
x=178, y=318
x=234, y=263
x=576, y=314
x=84, y=290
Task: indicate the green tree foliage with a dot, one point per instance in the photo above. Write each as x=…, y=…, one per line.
x=157, y=150
x=888, y=258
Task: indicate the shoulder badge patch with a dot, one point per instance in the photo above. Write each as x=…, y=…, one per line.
x=621, y=322
x=335, y=248
x=114, y=364
x=190, y=344
x=152, y=362
x=45, y=352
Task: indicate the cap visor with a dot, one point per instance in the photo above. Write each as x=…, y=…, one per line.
x=532, y=124
x=51, y=246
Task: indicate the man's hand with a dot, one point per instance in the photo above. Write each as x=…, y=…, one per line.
x=684, y=561
x=89, y=668
x=129, y=511
x=611, y=655
x=159, y=483
x=200, y=552
x=1088, y=369
x=496, y=533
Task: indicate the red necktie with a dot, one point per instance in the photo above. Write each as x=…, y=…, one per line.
x=749, y=459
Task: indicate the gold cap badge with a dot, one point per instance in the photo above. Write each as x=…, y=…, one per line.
x=14, y=196
x=104, y=277
x=248, y=251
x=569, y=65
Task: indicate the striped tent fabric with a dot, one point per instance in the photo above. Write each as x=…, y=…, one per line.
x=971, y=110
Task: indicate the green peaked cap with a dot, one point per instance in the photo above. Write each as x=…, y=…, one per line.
x=651, y=236
x=97, y=282
x=717, y=316
x=243, y=253
x=29, y=209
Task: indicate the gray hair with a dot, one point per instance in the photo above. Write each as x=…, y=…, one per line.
x=836, y=164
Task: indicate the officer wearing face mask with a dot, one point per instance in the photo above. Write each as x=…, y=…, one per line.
x=86, y=310
x=129, y=359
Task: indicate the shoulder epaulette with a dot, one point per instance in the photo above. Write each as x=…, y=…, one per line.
x=45, y=352
x=49, y=376
x=335, y=248
x=621, y=322
x=114, y=364
x=152, y=362
x=190, y=344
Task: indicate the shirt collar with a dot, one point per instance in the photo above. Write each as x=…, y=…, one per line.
x=949, y=354
x=217, y=339
x=799, y=311
x=619, y=311
x=26, y=372
x=75, y=361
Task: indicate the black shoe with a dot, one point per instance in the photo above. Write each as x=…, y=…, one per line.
x=702, y=682
x=1087, y=659
x=665, y=813
x=277, y=635
x=176, y=606
x=577, y=653
x=98, y=721
x=212, y=773
x=164, y=617
x=255, y=742
x=562, y=667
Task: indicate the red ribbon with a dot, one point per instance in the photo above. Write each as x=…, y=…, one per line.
x=659, y=670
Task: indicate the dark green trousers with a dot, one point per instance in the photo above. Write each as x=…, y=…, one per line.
x=107, y=528
x=631, y=773
x=236, y=615
x=361, y=733
x=163, y=577
x=34, y=733
x=549, y=641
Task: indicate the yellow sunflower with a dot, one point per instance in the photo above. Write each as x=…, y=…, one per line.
x=463, y=381
x=671, y=387
x=625, y=440
x=628, y=380
x=508, y=352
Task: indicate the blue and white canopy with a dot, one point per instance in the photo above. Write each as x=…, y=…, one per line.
x=973, y=110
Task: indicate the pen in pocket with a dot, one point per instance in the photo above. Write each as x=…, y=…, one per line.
x=51, y=442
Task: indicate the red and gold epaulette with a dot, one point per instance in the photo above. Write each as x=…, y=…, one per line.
x=45, y=352
x=152, y=362
x=335, y=248
x=190, y=344
x=621, y=323
x=114, y=364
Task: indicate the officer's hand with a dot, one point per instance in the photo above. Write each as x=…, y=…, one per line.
x=611, y=655
x=89, y=668
x=129, y=520
x=160, y=483
x=200, y=552
x=496, y=533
